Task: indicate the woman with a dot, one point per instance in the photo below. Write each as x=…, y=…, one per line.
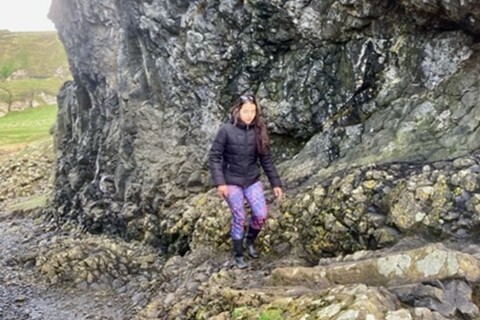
x=239, y=146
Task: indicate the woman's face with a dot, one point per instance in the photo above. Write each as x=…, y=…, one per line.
x=247, y=112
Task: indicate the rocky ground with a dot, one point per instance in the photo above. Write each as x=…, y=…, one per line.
x=25, y=172
x=50, y=271
x=23, y=295
x=154, y=288
x=62, y=273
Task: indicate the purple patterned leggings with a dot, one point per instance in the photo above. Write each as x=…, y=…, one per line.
x=236, y=202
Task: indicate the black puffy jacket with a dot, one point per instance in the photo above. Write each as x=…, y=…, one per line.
x=234, y=158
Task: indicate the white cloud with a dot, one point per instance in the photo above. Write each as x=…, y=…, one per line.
x=25, y=15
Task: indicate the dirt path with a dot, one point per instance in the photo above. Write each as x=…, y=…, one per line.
x=23, y=296
x=9, y=151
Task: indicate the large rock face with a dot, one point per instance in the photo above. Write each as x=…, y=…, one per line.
x=342, y=83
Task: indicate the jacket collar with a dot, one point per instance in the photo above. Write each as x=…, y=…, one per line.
x=242, y=125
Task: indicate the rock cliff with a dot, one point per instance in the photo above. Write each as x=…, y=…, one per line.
x=341, y=83
x=373, y=108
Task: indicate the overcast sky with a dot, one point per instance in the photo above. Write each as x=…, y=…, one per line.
x=25, y=15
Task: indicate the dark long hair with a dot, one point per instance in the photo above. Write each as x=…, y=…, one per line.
x=259, y=126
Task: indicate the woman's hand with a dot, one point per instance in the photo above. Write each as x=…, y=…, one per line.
x=222, y=191
x=278, y=193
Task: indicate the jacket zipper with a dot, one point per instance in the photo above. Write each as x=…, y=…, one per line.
x=246, y=146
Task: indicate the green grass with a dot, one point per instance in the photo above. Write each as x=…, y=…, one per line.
x=31, y=63
x=40, y=54
x=272, y=314
x=242, y=313
x=25, y=88
x=20, y=127
x=29, y=204
x=245, y=313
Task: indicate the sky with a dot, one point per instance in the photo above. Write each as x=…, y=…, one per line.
x=25, y=15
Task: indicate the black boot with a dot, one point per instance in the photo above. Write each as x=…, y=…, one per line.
x=251, y=236
x=238, y=252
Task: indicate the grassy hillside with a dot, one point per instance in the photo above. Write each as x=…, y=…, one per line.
x=26, y=158
x=22, y=127
x=22, y=89
x=32, y=65
x=38, y=54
